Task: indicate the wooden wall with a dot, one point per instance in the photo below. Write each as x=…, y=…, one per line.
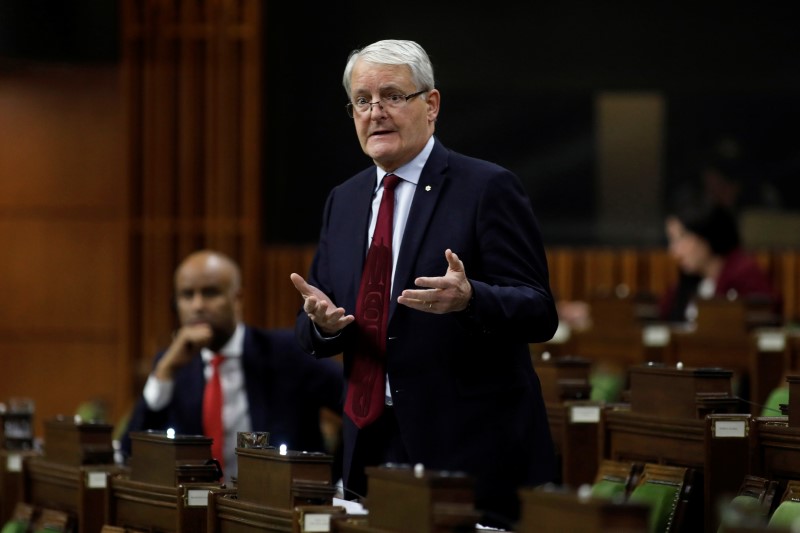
x=576, y=273
x=193, y=83
x=63, y=216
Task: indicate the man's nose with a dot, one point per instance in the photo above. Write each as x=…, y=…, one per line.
x=197, y=300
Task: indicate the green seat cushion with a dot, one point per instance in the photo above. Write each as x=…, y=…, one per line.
x=786, y=513
x=749, y=504
x=772, y=407
x=742, y=511
x=608, y=489
x=606, y=386
x=662, y=499
x=15, y=526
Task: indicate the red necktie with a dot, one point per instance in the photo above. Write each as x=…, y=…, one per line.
x=366, y=387
x=212, y=411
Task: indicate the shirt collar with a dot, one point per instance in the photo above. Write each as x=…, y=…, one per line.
x=233, y=348
x=412, y=170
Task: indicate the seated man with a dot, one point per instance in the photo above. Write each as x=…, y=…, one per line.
x=266, y=381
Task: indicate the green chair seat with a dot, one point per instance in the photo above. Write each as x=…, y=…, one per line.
x=778, y=396
x=606, y=386
x=15, y=526
x=609, y=489
x=742, y=511
x=662, y=499
x=785, y=515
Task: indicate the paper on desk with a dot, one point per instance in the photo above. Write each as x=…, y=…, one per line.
x=350, y=507
x=356, y=508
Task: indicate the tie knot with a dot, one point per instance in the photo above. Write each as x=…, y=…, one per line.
x=390, y=181
x=217, y=360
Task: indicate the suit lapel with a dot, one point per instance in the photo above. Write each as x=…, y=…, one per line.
x=256, y=405
x=356, y=249
x=430, y=186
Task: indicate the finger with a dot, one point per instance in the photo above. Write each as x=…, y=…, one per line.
x=431, y=283
x=310, y=305
x=453, y=261
x=425, y=295
x=418, y=304
x=299, y=283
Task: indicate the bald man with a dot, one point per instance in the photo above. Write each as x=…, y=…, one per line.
x=268, y=382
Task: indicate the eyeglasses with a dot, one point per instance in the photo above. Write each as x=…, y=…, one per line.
x=362, y=106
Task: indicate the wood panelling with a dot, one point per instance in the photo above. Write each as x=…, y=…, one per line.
x=575, y=274
x=193, y=75
x=281, y=298
x=63, y=216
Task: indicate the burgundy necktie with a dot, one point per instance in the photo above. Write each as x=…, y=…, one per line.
x=366, y=387
x=212, y=411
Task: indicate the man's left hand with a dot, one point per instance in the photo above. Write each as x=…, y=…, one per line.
x=444, y=294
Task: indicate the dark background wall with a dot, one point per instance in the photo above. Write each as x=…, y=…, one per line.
x=519, y=84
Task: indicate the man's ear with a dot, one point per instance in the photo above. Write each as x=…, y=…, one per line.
x=433, y=99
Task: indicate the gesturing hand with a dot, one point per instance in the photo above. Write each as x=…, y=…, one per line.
x=319, y=308
x=444, y=294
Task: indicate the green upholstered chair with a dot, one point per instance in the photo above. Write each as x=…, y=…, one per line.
x=614, y=479
x=661, y=487
x=15, y=526
x=750, y=507
x=778, y=396
x=53, y=521
x=788, y=511
x=21, y=518
x=606, y=385
x=609, y=489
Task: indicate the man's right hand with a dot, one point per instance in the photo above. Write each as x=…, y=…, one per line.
x=320, y=309
x=186, y=344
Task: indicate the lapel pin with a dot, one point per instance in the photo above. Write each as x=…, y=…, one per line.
x=428, y=188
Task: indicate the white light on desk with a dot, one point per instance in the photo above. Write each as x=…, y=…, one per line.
x=170, y=433
x=282, y=449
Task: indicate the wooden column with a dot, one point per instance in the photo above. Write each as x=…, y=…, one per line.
x=193, y=77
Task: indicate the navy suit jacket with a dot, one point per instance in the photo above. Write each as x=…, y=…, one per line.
x=465, y=393
x=285, y=390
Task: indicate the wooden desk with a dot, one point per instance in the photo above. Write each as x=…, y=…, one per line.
x=404, y=499
x=77, y=490
x=563, y=377
x=575, y=427
x=615, y=334
x=150, y=507
x=730, y=440
x=11, y=480
x=272, y=490
x=550, y=511
x=669, y=422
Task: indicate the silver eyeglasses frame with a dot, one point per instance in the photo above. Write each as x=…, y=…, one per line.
x=391, y=101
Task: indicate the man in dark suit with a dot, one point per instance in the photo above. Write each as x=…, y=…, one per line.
x=268, y=382
x=469, y=272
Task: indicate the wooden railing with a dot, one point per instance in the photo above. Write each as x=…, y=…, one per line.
x=575, y=274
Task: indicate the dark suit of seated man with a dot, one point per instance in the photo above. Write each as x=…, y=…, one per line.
x=268, y=383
